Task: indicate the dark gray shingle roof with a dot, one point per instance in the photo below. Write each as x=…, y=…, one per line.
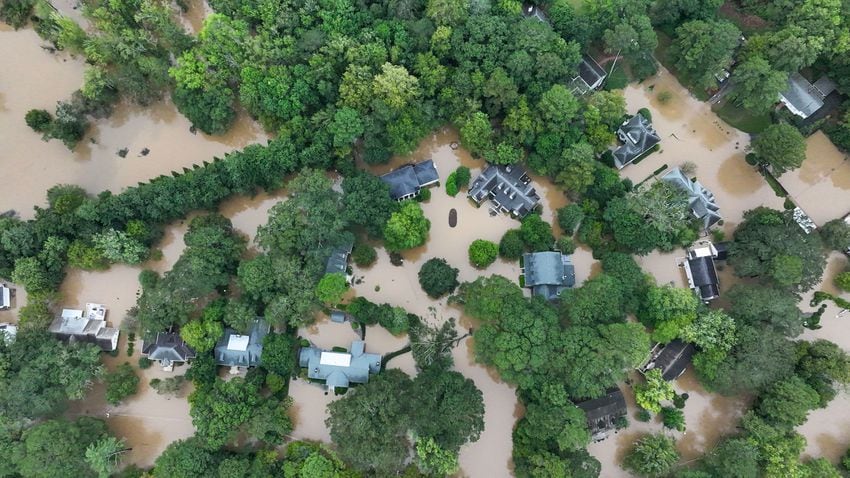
x=638, y=136
x=407, y=180
x=509, y=187
x=168, y=347
x=236, y=350
x=700, y=199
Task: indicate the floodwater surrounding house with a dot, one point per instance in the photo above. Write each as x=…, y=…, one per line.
x=671, y=359
x=638, y=137
x=168, y=348
x=508, y=187
x=548, y=273
x=241, y=351
x=701, y=271
x=406, y=181
x=88, y=326
x=804, y=99
x=700, y=200
x=339, y=369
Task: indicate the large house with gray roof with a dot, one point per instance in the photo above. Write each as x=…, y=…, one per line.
x=168, y=349
x=406, y=181
x=638, y=137
x=507, y=187
x=700, y=199
x=87, y=325
x=548, y=273
x=338, y=260
x=239, y=351
x=339, y=369
x=803, y=98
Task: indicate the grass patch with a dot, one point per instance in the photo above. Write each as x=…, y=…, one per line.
x=740, y=118
x=774, y=183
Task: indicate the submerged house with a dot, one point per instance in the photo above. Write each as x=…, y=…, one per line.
x=638, y=137
x=604, y=413
x=700, y=269
x=88, y=326
x=5, y=297
x=508, y=187
x=338, y=260
x=340, y=369
x=168, y=349
x=803, y=98
x=548, y=273
x=700, y=200
x=672, y=359
x=239, y=351
x=406, y=181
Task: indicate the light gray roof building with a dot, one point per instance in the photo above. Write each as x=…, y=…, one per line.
x=533, y=11
x=89, y=326
x=236, y=350
x=509, y=187
x=548, y=273
x=340, y=369
x=700, y=199
x=406, y=181
x=5, y=297
x=168, y=349
x=638, y=137
x=338, y=260
x=803, y=98
x=8, y=332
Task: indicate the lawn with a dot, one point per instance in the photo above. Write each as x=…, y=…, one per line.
x=741, y=118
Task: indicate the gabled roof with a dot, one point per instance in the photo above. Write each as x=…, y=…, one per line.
x=602, y=412
x=237, y=350
x=509, y=187
x=803, y=98
x=672, y=359
x=407, y=180
x=700, y=271
x=590, y=72
x=700, y=199
x=338, y=260
x=638, y=136
x=5, y=297
x=168, y=347
x=340, y=369
x=548, y=273
x=75, y=325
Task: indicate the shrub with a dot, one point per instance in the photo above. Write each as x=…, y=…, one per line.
x=482, y=253
x=145, y=363
x=664, y=97
x=511, y=246
x=169, y=386
x=121, y=383
x=451, y=185
x=645, y=113
x=437, y=277
x=462, y=177
x=566, y=245
x=569, y=218
x=643, y=415
x=364, y=255
x=424, y=195
x=836, y=235
x=673, y=418
x=38, y=120
x=331, y=287
x=536, y=233
x=842, y=281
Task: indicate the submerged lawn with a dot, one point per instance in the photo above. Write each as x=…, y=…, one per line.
x=741, y=118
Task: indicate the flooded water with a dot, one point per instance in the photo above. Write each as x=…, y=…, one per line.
x=824, y=174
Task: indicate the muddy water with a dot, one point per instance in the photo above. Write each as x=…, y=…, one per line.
x=32, y=165
x=824, y=174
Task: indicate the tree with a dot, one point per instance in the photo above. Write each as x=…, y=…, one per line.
x=569, y=218
x=437, y=277
x=758, y=359
x=599, y=300
x=674, y=12
x=331, y=287
x=766, y=235
x=836, y=235
x=578, y=164
x=712, y=330
x=556, y=110
x=121, y=383
x=432, y=345
x=552, y=422
x=766, y=307
x=536, y=233
x=103, y=456
x=118, y=246
x=702, y=48
x=757, y=85
x=673, y=418
x=652, y=456
x=787, y=402
x=203, y=333
x=57, y=448
x=483, y=253
x=823, y=365
x=511, y=246
x=364, y=255
x=447, y=12
x=278, y=356
x=734, y=457
x=395, y=87
x=653, y=217
x=781, y=146
x=367, y=202
x=668, y=309
x=168, y=386
x=447, y=407
x=219, y=412
x=39, y=120
x=187, y=458
x=655, y=390
x=476, y=134
x=434, y=460
x=407, y=228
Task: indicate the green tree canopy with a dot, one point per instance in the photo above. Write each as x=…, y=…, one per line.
x=652, y=456
x=407, y=228
x=483, y=253
x=781, y=146
x=437, y=277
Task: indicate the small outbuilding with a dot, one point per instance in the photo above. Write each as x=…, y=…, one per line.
x=168, y=349
x=406, y=181
x=638, y=137
x=590, y=77
x=5, y=297
x=87, y=326
x=239, y=351
x=548, y=273
x=700, y=200
x=339, y=369
x=8, y=332
x=604, y=413
x=672, y=359
x=508, y=187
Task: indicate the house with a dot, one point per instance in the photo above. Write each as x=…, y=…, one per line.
x=5, y=297
x=533, y=11
x=672, y=359
x=338, y=260
x=590, y=76
x=406, y=181
x=168, y=349
x=8, y=332
x=604, y=413
x=239, y=351
x=86, y=326
x=339, y=369
x=548, y=273
x=638, y=137
x=700, y=270
x=803, y=98
x=700, y=199
x=508, y=187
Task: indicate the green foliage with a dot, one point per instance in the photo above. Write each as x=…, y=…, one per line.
x=758, y=359
x=462, y=177
x=331, y=288
x=16, y=12
x=712, y=330
x=673, y=418
x=278, y=354
x=39, y=120
x=121, y=383
x=367, y=202
x=781, y=146
x=786, y=403
x=668, y=310
x=168, y=386
x=433, y=460
x=566, y=245
x=835, y=235
x=536, y=233
x=757, y=84
x=652, y=456
x=551, y=422
x=598, y=300
x=86, y=256
x=476, y=134
x=653, y=217
x=431, y=345
x=655, y=390
x=219, y=412
x=118, y=246
x=451, y=184
x=736, y=457
x=407, y=228
x=186, y=459
x=766, y=307
x=511, y=246
x=364, y=255
x=702, y=48
x=437, y=277
x=483, y=253
x=569, y=218
x=203, y=333
x=103, y=456
x=824, y=366
x=57, y=448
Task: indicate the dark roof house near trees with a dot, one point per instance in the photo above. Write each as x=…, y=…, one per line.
x=700, y=199
x=590, y=75
x=406, y=181
x=168, y=349
x=672, y=359
x=638, y=137
x=508, y=187
x=548, y=273
x=238, y=351
x=700, y=270
x=339, y=369
x=338, y=260
x=603, y=413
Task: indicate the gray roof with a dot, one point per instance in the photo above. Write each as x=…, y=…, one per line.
x=638, y=136
x=803, y=98
x=509, y=187
x=5, y=297
x=75, y=326
x=8, y=332
x=590, y=72
x=548, y=273
x=168, y=348
x=236, y=350
x=340, y=369
x=407, y=180
x=338, y=260
x=701, y=200
x=672, y=359
x=602, y=412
